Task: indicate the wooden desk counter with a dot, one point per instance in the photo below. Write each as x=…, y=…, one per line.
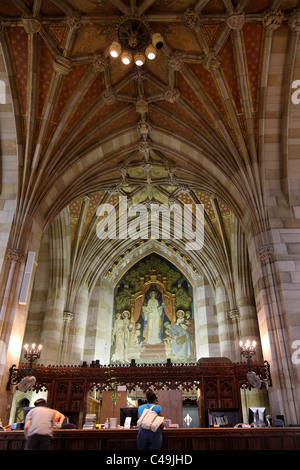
x=182, y=439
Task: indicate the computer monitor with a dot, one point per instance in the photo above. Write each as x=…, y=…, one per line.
x=129, y=413
x=261, y=414
x=26, y=410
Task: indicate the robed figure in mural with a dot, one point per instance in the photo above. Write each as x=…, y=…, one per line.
x=153, y=320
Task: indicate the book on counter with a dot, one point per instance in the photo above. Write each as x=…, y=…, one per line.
x=90, y=421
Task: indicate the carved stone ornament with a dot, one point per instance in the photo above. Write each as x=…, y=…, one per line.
x=273, y=19
x=144, y=127
x=191, y=19
x=265, y=252
x=13, y=254
x=123, y=170
x=115, y=189
x=109, y=96
x=100, y=63
x=294, y=21
x=140, y=73
x=74, y=20
x=211, y=61
x=145, y=145
x=176, y=60
x=62, y=65
x=141, y=106
x=68, y=316
x=184, y=188
x=236, y=21
x=172, y=94
x=31, y=25
x=234, y=314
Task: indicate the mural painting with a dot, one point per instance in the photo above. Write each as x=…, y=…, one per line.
x=153, y=315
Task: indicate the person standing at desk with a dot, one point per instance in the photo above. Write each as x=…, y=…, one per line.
x=38, y=428
x=147, y=439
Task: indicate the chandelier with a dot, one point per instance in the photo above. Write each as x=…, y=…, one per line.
x=135, y=42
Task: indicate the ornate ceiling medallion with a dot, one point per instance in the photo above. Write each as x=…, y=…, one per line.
x=133, y=34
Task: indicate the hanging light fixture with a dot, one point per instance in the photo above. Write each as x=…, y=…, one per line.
x=139, y=59
x=134, y=37
x=115, y=49
x=126, y=57
x=150, y=52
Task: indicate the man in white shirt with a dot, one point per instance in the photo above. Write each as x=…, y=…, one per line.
x=38, y=427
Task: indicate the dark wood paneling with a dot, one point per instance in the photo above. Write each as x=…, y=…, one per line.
x=173, y=439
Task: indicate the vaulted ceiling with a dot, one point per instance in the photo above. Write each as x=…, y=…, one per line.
x=202, y=90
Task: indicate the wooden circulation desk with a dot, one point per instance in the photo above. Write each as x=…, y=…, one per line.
x=181, y=439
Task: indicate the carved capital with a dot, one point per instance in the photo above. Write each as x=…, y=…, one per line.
x=265, y=252
x=273, y=19
x=12, y=254
x=294, y=21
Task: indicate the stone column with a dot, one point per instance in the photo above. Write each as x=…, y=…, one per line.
x=53, y=325
x=224, y=325
x=76, y=340
x=206, y=328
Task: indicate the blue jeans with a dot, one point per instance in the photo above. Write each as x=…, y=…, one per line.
x=149, y=440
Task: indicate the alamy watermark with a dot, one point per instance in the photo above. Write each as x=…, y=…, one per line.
x=152, y=221
x=296, y=93
x=296, y=353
